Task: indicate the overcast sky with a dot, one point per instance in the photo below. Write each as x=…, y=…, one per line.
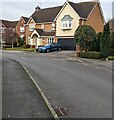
x=14, y=9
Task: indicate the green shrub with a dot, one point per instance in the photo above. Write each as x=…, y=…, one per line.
x=92, y=55
x=110, y=57
x=84, y=36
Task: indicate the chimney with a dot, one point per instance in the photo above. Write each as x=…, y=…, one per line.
x=37, y=8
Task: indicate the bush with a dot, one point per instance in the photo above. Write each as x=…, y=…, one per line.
x=84, y=36
x=105, y=43
x=110, y=57
x=92, y=55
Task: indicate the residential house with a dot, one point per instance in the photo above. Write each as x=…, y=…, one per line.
x=41, y=26
x=58, y=24
x=21, y=27
x=72, y=15
x=7, y=30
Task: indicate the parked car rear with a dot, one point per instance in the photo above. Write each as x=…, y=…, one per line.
x=50, y=47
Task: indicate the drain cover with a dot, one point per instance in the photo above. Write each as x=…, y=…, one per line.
x=61, y=111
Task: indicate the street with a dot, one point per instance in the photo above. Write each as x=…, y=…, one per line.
x=84, y=90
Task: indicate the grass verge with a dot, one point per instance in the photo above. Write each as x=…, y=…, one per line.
x=20, y=49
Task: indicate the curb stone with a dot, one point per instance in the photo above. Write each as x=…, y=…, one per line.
x=54, y=114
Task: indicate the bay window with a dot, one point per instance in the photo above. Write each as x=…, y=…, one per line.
x=67, y=22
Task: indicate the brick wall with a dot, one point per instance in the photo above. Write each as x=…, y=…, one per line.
x=48, y=26
x=95, y=20
x=21, y=24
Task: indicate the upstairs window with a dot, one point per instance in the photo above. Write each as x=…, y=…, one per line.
x=66, y=22
x=53, y=26
x=31, y=27
x=22, y=29
x=42, y=26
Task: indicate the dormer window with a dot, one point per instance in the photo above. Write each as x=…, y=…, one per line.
x=66, y=22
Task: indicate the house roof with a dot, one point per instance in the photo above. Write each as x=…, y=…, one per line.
x=25, y=19
x=45, y=33
x=46, y=15
x=83, y=9
x=9, y=24
x=39, y=31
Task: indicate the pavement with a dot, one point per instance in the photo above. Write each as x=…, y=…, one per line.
x=106, y=64
x=21, y=99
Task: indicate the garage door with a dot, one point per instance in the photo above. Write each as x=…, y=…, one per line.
x=67, y=43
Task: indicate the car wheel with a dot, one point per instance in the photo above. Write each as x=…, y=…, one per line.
x=47, y=50
x=59, y=49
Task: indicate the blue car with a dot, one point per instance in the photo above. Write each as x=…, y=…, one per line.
x=50, y=47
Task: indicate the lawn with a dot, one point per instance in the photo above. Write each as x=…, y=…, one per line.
x=20, y=49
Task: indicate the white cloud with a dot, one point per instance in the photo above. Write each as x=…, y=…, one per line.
x=18, y=8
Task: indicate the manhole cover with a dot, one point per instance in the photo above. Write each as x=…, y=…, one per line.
x=61, y=111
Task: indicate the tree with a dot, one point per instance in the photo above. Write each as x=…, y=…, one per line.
x=10, y=37
x=84, y=35
x=96, y=42
x=105, y=43
x=21, y=41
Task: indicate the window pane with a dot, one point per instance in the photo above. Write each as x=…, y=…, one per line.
x=70, y=24
x=22, y=29
x=31, y=27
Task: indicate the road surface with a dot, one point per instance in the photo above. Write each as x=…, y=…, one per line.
x=84, y=90
x=20, y=98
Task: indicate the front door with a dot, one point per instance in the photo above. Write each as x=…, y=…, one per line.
x=35, y=40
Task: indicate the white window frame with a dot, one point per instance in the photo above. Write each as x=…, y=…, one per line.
x=53, y=26
x=22, y=29
x=67, y=24
x=50, y=40
x=31, y=27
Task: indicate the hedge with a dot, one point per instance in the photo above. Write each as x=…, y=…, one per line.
x=92, y=55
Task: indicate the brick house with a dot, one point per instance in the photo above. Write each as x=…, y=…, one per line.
x=41, y=26
x=73, y=15
x=7, y=29
x=21, y=27
x=58, y=24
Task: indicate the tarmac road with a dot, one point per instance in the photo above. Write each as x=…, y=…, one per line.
x=20, y=97
x=86, y=91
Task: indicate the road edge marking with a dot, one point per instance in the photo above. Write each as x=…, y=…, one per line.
x=54, y=114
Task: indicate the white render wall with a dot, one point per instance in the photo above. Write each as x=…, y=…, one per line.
x=68, y=10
